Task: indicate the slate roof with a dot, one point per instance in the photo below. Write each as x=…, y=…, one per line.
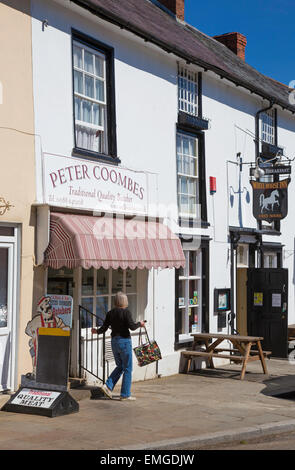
x=150, y=22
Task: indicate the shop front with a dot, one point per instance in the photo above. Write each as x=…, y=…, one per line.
x=93, y=254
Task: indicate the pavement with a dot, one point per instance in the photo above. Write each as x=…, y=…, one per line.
x=198, y=409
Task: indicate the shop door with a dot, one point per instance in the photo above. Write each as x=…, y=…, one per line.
x=6, y=313
x=267, y=299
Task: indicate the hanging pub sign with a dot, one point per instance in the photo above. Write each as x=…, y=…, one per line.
x=270, y=200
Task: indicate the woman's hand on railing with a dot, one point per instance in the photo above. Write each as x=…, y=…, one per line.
x=94, y=331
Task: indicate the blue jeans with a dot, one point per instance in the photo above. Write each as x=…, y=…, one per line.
x=122, y=350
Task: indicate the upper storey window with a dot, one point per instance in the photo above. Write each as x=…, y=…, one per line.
x=268, y=127
x=94, y=98
x=187, y=91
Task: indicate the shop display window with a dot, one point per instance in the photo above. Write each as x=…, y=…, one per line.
x=100, y=299
x=190, y=295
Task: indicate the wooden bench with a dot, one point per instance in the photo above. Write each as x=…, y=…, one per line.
x=232, y=357
x=241, y=352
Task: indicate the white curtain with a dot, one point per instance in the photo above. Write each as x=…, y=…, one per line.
x=86, y=138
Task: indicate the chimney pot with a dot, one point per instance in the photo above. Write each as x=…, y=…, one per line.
x=236, y=42
x=175, y=6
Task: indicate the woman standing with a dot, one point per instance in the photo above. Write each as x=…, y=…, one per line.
x=119, y=319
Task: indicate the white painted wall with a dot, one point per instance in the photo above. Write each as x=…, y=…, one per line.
x=146, y=112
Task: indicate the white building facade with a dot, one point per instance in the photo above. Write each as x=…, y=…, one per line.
x=114, y=109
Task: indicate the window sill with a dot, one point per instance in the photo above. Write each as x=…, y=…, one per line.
x=189, y=222
x=193, y=123
x=88, y=154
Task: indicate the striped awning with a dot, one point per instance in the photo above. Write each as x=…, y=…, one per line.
x=106, y=242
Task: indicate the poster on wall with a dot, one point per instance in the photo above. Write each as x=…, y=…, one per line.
x=276, y=300
x=258, y=299
x=221, y=300
x=62, y=307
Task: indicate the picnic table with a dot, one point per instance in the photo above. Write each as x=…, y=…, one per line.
x=241, y=352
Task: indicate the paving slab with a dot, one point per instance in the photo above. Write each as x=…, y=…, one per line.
x=169, y=412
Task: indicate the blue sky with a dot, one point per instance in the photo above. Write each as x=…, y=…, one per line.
x=268, y=25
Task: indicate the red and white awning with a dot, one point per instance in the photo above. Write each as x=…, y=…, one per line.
x=105, y=242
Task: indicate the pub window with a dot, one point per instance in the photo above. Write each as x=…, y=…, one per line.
x=242, y=256
x=268, y=126
x=270, y=259
x=99, y=287
x=188, y=175
x=190, y=296
x=188, y=91
x=94, y=116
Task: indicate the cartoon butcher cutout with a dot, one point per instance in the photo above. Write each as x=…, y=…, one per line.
x=45, y=318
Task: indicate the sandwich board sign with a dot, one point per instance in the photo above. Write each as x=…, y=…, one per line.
x=44, y=391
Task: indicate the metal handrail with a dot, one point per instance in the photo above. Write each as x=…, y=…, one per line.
x=85, y=366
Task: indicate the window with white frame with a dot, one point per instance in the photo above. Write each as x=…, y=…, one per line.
x=242, y=256
x=99, y=288
x=270, y=259
x=187, y=175
x=268, y=126
x=187, y=91
x=190, y=295
x=90, y=98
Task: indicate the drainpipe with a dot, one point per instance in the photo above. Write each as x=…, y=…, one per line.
x=234, y=243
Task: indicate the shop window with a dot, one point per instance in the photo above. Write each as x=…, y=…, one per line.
x=190, y=296
x=60, y=281
x=99, y=288
x=94, y=107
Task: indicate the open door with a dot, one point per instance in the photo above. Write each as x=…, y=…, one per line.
x=267, y=308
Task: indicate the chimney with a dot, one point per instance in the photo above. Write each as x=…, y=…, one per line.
x=175, y=6
x=236, y=42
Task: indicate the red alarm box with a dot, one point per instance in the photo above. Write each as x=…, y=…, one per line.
x=212, y=184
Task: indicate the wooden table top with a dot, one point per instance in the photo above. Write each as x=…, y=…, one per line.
x=230, y=337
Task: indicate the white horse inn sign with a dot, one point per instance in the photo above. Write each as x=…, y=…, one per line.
x=270, y=200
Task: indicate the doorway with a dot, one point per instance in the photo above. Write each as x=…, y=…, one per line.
x=262, y=307
x=8, y=305
x=267, y=308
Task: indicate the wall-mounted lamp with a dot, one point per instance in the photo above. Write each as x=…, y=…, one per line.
x=258, y=172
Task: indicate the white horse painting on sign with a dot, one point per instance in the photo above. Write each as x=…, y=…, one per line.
x=272, y=200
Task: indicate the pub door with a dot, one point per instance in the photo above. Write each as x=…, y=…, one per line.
x=267, y=308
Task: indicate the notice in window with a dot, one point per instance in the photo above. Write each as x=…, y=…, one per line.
x=276, y=300
x=258, y=299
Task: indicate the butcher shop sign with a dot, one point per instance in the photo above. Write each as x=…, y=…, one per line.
x=270, y=200
x=83, y=184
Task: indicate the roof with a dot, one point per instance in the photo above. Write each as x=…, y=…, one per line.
x=150, y=22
